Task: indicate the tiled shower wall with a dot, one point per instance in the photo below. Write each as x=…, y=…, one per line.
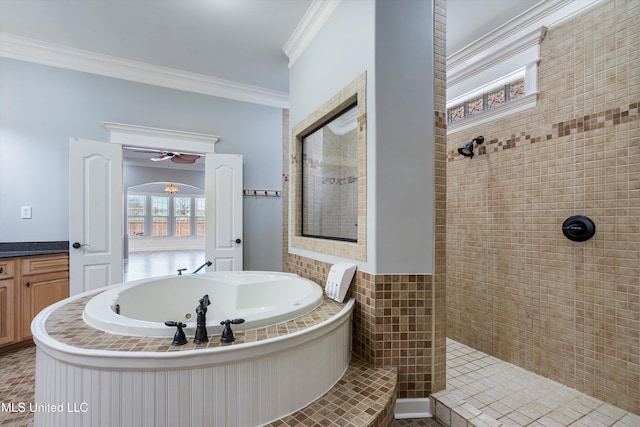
x=399, y=319
x=516, y=287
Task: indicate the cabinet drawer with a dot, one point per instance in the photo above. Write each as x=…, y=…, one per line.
x=45, y=264
x=6, y=268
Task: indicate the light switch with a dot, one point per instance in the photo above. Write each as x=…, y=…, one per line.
x=25, y=212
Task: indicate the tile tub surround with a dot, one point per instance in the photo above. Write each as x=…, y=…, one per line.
x=517, y=289
x=278, y=369
x=392, y=322
x=82, y=336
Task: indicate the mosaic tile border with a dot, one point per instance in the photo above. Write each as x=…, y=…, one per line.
x=586, y=123
x=85, y=337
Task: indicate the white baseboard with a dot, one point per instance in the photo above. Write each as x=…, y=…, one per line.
x=412, y=408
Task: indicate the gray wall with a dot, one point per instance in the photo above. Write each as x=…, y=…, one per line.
x=393, y=42
x=41, y=107
x=341, y=51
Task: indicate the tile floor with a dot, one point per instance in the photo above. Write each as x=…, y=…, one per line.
x=160, y=263
x=480, y=388
x=490, y=392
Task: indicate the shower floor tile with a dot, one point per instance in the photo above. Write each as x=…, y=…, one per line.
x=486, y=391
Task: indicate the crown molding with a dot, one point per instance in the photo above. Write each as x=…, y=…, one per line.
x=511, y=47
x=157, y=138
x=527, y=44
x=548, y=13
x=40, y=52
x=318, y=13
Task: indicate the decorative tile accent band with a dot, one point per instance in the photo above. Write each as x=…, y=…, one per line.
x=589, y=122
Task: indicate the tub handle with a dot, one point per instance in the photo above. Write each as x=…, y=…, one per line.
x=179, y=337
x=227, y=333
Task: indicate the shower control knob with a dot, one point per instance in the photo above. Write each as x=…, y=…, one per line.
x=578, y=228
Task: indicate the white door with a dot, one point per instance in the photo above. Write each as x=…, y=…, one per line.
x=223, y=192
x=95, y=214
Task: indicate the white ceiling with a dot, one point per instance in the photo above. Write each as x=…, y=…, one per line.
x=236, y=40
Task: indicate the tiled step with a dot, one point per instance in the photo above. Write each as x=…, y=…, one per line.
x=451, y=411
x=363, y=397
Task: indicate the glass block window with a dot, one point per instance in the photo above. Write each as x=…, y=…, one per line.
x=135, y=215
x=488, y=100
x=182, y=213
x=455, y=113
x=475, y=106
x=160, y=215
x=200, y=220
x=496, y=98
x=516, y=90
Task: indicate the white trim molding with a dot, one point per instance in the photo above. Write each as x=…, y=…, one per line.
x=157, y=138
x=492, y=114
x=40, y=52
x=512, y=48
x=318, y=13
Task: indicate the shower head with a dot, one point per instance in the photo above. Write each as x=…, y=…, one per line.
x=467, y=149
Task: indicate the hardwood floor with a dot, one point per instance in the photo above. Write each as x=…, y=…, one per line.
x=142, y=265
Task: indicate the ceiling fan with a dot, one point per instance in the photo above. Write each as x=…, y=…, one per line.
x=170, y=155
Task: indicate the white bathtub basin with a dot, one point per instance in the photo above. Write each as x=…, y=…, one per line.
x=261, y=298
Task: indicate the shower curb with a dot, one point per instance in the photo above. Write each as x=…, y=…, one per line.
x=451, y=410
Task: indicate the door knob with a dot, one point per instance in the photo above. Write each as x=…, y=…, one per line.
x=77, y=245
x=238, y=241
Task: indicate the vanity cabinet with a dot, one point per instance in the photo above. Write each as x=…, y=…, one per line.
x=8, y=303
x=36, y=282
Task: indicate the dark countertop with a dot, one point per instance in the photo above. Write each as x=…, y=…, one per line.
x=11, y=254
x=20, y=249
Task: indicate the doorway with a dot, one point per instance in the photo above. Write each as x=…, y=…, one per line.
x=94, y=225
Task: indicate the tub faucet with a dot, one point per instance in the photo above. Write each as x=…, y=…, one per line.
x=201, y=321
x=206, y=264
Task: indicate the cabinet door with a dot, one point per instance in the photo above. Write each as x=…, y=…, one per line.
x=7, y=311
x=6, y=268
x=38, y=292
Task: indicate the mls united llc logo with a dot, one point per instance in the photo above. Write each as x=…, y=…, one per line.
x=21, y=407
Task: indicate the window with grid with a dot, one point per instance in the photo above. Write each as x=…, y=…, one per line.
x=200, y=219
x=182, y=215
x=160, y=215
x=135, y=214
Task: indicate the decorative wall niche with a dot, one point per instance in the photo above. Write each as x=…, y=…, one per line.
x=308, y=213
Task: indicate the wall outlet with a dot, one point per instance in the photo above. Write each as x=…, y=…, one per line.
x=25, y=212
